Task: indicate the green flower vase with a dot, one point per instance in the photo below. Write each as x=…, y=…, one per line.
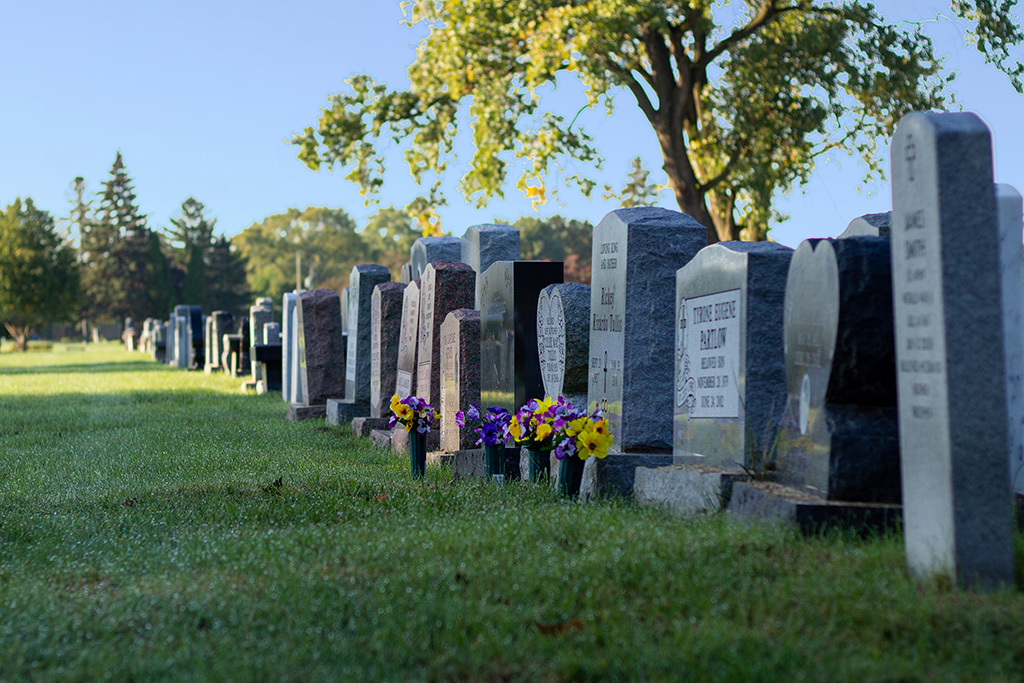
x=494, y=459
x=418, y=453
x=570, y=476
x=540, y=464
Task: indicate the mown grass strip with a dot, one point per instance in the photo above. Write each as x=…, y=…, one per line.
x=158, y=524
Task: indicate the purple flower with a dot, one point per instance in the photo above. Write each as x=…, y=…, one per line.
x=565, y=449
x=474, y=411
x=460, y=419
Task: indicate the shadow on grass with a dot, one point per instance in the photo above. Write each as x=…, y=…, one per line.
x=130, y=366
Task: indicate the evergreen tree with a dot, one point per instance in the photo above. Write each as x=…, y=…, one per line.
x=161, y=285
x=116, y=252
x=191, y=237
x=227, y=288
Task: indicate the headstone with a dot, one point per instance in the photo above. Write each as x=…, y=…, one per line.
x=484, y=245
x=265, y=302
x=171, y=326
x=509, y=359
x=259, y=315
x=1010, y=210
x=195, y=333
x=636, y=253
x=362, y=281
x=563, y=341
x=869, y=225
x=272, y=334
x=445, y=286
x=268, y=355
x=219, y=323
x=839, y=437
x=406, y=274
x=321, y=354
x=385, y=328
x=408, y=337
x=182, y=337
x=460, y=375
x=208, y=347
x=345, y=307
x=951, y=361
x=730, y=370
x=429, y=249
x=160, y=342
x=289, y=345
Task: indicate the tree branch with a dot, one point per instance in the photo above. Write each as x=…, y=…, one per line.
x=723, y=174
x=642, y=100
x=767, y=12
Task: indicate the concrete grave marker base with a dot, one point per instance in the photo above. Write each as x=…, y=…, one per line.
x=381, y=438
x=778, y=504
x=340, y=411
x=614, y=474
x=298, y=411
x=686, y=489
x=364, y=426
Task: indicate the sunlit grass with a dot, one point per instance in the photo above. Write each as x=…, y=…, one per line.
x=143, y=536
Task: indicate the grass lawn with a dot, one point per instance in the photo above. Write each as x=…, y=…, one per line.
x=143, y=536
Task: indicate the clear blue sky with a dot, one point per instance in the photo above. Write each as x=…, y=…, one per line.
x=201, y=98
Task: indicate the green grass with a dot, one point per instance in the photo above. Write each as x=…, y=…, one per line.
x=142, y=537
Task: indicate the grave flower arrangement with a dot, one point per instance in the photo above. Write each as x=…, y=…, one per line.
x=490, y=426
x=413, y=412
x=554, y=425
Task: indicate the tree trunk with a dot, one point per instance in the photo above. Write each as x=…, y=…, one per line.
x=20, y=335
x=682, y=180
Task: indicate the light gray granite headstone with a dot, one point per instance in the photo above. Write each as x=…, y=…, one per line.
x=730, y=368
x=271, y=334
x=265, y=302
x=636, y=253
x=289, y=342
x=406, y=275
x=951, y=361
x=870, y=224
x=445, y=286
x=1009, y=208
x=563, y=340
x=460, y=375
x=408, y=337
x=430, y=249
x=385, y=327
x=484, y=245
x=259, y=315
x=360, y=295
x=346, y=315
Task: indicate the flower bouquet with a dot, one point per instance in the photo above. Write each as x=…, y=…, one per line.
x=491, y=429
x=572, y=434
x=418, y=417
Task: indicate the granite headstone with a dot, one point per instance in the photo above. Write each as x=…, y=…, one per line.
x=563, y=340
x=385, y=328
x=430, y=249
x=483, y=245
x=408, y=337
x=460, y=375
x=445, y=286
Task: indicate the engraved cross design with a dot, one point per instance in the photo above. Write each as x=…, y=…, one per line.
x=910, y=155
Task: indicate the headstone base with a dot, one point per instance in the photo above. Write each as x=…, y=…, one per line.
x=364, y=426
x=298, y=411
x=341, y=411
x=780, y=504
x=686, y=489
x=400, y=440
x=614, y=474
x=439, y=458
x=381, y=438
x=471, y=463
x=248, y=386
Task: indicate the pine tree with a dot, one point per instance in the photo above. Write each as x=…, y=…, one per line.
x=227, y=288
x=191, y=237
x=116, y=253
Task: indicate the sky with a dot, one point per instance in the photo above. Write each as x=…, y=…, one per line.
x=201, y=98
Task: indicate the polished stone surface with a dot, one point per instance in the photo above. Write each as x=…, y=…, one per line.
x=484, y=245
x=952, y=373
x=869, y=225
x=730, y=371
x=321, y=352
x=509, y=360
x=636, y=253
x=839, y=435
x=385, y=329
x=460, y=375
x=430, y=249
x=362, y=281
x=563, y=340
x=445, y=286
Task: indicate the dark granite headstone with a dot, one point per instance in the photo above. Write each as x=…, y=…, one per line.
x=730, y=370
x=839, y=438
x=636, y=253
x=259, y=315
x=483, y=245
x=563, y=341
x=408, y=337
x=951, y=361
x=430, y=249
x=220, y=323
x=385, y=327
x=362, y=281
x=182, y=337
x=321, y=353
x=1010, y=209
x=509, y=360
x=460, y=375
x=160, y=342
x=869, y=225
x=445, y=286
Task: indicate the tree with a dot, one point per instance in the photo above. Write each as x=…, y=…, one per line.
x=741, y=101
x=116, y=251
x=558, y=239
x=38, y=271
x=326, y=240
x=389, y=235
x=226, y=285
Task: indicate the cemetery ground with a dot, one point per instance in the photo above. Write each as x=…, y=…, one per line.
x=159, y=524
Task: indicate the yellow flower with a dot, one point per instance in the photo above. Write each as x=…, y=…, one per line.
x=601, y=427
x=544, y=406
x=394, y=402
x=515, y=429
x=590, y=443
x=578, y=426
x=543, y=431
x=402, y=411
